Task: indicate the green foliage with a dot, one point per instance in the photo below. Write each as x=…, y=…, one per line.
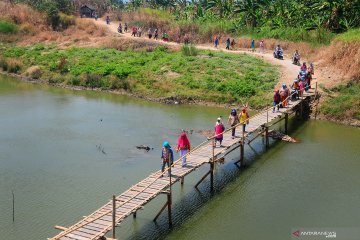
x=8, y=27
x=189, y=50
x=66, y=21
x=350, y=36
x=214, y=76
x=346, y=102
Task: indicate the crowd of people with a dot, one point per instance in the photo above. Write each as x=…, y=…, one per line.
x=296, y=90
x=183, y=145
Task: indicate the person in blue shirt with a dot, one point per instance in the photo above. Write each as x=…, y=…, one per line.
x=167, y=156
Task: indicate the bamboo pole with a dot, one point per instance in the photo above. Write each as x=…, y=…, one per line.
x=13, y=206
x=113, y=216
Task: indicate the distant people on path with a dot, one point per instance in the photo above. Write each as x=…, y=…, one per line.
x=107, y=20
x=95, y=16
x=276, y=100
x=253, y=45
x=219, y=129
x=186, y=39
x=296, y=58
x=125, y=27
x=228, y=44
x=139, y=32
x=165, y=37
x=183, y=147
x=156, y=34
x=311, y=68
x=216, y=41
x=233, y=120
x=233, y=44
x=167, y=156
x=262, y=46
x=134, y=31
x=301, y=88
x=150, y=33
x=120, y=28
x=308, y=79
x=244, y=118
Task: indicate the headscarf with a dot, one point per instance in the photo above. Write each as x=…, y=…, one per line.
x=166, y=144
x=183, y=141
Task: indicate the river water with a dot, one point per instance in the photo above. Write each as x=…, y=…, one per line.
x=65, y=153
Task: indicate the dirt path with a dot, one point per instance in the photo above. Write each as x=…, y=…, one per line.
x=288, y=71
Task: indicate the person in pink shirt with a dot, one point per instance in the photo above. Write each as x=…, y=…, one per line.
x=219, y=129
x=183, y=147
x=301, y=88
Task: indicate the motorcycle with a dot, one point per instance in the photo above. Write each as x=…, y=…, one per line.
x=279, y=54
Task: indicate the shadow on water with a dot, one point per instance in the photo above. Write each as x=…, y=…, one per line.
x=225, y=174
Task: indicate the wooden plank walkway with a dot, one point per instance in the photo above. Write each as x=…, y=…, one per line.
x=97, y=224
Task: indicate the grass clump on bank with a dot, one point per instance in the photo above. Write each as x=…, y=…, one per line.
x=344, y=104
x=210, y=76
x=8, y=27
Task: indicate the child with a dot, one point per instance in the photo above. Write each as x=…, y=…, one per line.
x=219, y=129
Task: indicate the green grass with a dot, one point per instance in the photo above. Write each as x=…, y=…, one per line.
x=352, y=35
x=211, y=76
x=345, y=104
x=8, y=27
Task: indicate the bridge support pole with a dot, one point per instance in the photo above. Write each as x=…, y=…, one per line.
x=286, y=122
x=242, y=160
x=212, y=166
x=267, y=136
x=182, y=181
x=169, y=209
x=113, y=217
x=134, y=214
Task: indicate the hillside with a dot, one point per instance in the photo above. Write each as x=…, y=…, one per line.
x=22, y=28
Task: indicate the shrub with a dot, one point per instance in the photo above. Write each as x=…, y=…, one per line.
x=66, y=21
x=28, y=28
x=3, y=64
x=91, y=80
x=13, y=65
x=189, y=50
x=34, y=72
x=8, y=27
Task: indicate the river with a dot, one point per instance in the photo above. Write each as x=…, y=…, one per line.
x=65, y=153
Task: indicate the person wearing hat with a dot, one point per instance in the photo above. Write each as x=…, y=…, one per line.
x=233, y=120
x=167, y=155
x=219, y=129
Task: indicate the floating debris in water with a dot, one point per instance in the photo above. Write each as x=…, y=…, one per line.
x=146, y=148
x=281, y=136
x=101, y=149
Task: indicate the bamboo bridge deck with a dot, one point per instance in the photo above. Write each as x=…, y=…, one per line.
x=99, y=223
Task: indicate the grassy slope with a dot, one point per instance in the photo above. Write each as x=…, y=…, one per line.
x=215, y=77
x=345, y=104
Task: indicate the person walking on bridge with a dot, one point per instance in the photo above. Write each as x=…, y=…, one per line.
x=183, y=147
x=219, y=129
x=167, y=156
x=233, y=120
x=244, y=118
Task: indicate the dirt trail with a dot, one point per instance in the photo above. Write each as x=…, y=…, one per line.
x=288, y=71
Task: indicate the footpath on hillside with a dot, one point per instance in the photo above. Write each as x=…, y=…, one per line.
x=288, y=70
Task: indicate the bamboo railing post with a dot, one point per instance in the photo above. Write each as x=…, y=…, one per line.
x=13, y=206
x=169, y=198
x=113, y=216
x=286, y=122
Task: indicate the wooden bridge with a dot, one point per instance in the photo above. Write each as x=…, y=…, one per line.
x=105, y=219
